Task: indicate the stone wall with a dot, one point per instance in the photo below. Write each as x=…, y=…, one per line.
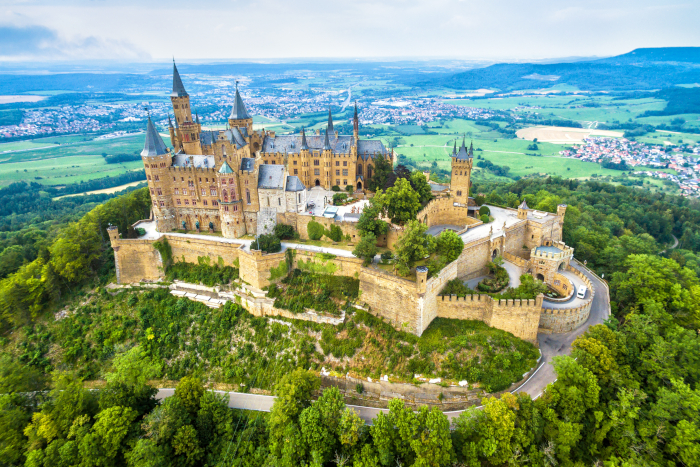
x=567, y=319
x=441, y=211
x=562, y=285
x=519, y=317
x=393, y=298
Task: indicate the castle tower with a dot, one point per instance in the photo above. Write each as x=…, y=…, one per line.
x=180, y=99
x=330, y=124
x=327, y=162
x=356, y=124
x=522, y=210
x=460, y=181
x=239, y=115
x=230, y=208
x=171, y=130
x=157, y=161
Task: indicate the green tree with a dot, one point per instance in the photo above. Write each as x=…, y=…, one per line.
x=319, y=424
x=366, y=248
x=380, y=175
x=370, y=221
x=401, y=202
x=449, y=245
x=315, y=230
x=421, y=186
x=413, y=245
x=190, y=390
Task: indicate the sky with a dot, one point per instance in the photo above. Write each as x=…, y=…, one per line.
x=149, y=30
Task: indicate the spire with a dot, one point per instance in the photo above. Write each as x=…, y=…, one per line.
x=304, y=146
x=454, y=150
x=170, y=122
x=178, y=87
x=523, y=205
x=154, y=145
x=330, y=121
x=356, y=123
x=196, y=118
x=355, y=116
x=471, y=149
x=238, y=112
x=326, y=143
x=464, y=141
x=462, y=153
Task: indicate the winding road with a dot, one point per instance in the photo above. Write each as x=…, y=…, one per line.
x=551, y=345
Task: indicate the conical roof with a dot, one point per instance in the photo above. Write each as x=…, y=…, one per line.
x=196, y=118
x=170, y=122
x=238, y=112
x=454, y=150
x=330, y=120
x=462, y=154
x=304, y=146
x=326, y=143
x=523, y=205
x=154, y=145
x=225, y=168
x=178, y=87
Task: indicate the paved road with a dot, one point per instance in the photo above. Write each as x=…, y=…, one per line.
x=551, y=345
x=573, y=301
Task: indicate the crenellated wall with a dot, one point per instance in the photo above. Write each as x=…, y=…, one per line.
x=567, y=319
x=443, y=211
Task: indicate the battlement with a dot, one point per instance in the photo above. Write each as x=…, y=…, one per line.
x=487, y=298
x=204, y=170
x=557, y=251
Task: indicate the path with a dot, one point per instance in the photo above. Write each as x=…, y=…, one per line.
x=675, y=244
x=551, y=345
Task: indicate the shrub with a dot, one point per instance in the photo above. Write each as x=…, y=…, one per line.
x=387, y=255
x=315, y=230
x=339, y=199
x=485, y=219
x=359, y=388
x=141, y=231
x=335, y=188
x=480, y=200
x=484, y=210
x=267, y=243
x=285, y=232
x=366, y=248
x=456, y=287
x=349, y=189
x=204, y=273
x=334, y=233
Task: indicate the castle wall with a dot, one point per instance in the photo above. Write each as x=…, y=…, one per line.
x=136, y=260
x=441, y=211
x=565, y=320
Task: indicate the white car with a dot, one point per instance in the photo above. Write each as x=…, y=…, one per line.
x=581, y=291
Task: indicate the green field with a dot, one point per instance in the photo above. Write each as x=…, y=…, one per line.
x=67, y=159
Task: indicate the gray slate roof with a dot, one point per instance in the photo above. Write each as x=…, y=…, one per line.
x=294, y=184
x=178, y=87
x=199, y=161
x=292, y=143
x=225, y=168
x=247, y=164
x=154, y=145
x=271, y=176
x=208, y=138
x=462, y=153
x=238, y=112
x=437, y=187
x=369, y=147
x=235, y=137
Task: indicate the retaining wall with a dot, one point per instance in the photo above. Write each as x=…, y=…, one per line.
x=555, y=320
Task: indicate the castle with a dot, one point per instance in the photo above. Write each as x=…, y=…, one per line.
x=235, y=181
x=240, y=181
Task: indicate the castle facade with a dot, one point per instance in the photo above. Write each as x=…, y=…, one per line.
x=236, y=180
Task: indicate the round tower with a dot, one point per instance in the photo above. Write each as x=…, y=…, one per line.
x=157, y=161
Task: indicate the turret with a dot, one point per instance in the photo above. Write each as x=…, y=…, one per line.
x=421, y=279
x=156, y=161
x=239, y=115
x=180, y=99
x=356, y=124
x=522, y=210
x=329, y=128
x=561, y=210
x=460, y=180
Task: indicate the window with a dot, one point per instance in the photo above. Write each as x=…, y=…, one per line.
x=173, y=179
x=214, y=203
x=149, y=177
x=212, y=191
x=182, y=179
x=316, y=162
x=205, y=202
x=159, y=192
x=345, y=163
x=294, y=163
x=337, y=163
x=178, y=201
x=268, y=202
x=225, y=195
x=177, y=192
x=317, y=172
x=204, y=192
x=226, y=208
x=247, y=195
x=246, y=182
x=459, y=192
x=279, y=201
x=230, y=181
x=359, y=169
x=162, y=204
x=345, y=172
x=184, y=191
x=296, y=172
x=187, y=202
x=337, y=172
x=194, y=202
x=235, y=208
x=200, y=179
x=299, y=198
x=152, y=191
x=345, y=182
x=337, y=182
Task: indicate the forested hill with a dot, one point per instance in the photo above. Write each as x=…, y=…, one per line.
x=641, y=69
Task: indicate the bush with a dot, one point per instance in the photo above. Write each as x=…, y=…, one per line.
x=349, y=189
x=315, y=230
x=334, y=233
x=204, y=273
x=335, y=188
x=285, y=232
x=366, y=248
x=387, y=255
x=479, y=200
x=141, y=231
x=484, y=210
x=339, y=199
x=267, y=243
x=456, y=287
x=485, y=219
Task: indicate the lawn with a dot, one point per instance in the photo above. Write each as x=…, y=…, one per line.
x=63, y=170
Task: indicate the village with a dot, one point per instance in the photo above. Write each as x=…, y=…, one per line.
x=623, y=154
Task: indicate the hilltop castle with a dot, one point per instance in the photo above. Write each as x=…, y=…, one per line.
x=236, y=180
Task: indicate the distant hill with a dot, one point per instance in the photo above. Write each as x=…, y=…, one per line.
x=641, y=69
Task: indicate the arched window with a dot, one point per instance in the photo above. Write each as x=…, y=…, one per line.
x=359, y=170
x=369, y=171
x=247, y=195
x=223, y=149
x=225, y=195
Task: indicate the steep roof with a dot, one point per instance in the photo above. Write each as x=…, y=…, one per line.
x=293, y=144
x=368, y=148
x=523, y=205
x=208, y=137
x=462, y=153
x=330, y=120
x=271, y=176
x=225, y=168
x=154, y=145
x=326, y=143
x=247, y=164
x=178, y=87
x=304, y=144
x=238, y=112
x=198, y=161
x=294, y=184
x=234, y=136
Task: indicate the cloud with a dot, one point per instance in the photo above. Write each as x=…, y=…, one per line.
x=40, y=42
